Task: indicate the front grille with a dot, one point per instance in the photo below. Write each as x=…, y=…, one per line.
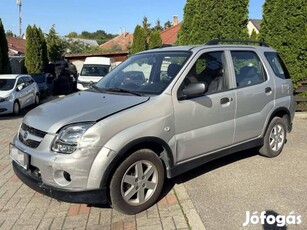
x=30, y=143
x=33, y=131
x=30, y=136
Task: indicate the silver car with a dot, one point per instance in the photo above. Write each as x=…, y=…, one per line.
x=160, y=113
x=17, y=92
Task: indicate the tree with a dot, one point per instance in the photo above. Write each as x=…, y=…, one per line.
x=9, y=33
x=158, y=25
x=100, y=36
x=284, y=28
x=72, y=35
x=43, y=47
x=167, y=25
x=205, y=20
x=254, y=36
x=55, y=45
x=36, y=52
x=139, y=40
x=146, y=26
x=5, y=66
x=155, y=39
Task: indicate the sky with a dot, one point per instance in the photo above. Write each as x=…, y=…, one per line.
x=91, y=15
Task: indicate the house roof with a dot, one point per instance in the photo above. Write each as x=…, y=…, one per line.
x=169, y=36
x=256, y=23
x=122, y=41
x=90, y=42
x=16, y=45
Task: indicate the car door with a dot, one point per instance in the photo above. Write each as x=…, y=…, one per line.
x=28, y=91
x=31, y=85
x=254, y=94
x=21, y=93
x=205, y=123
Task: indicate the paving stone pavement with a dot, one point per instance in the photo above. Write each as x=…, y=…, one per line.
x=22, y=208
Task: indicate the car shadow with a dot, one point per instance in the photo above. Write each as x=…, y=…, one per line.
x=205, y=168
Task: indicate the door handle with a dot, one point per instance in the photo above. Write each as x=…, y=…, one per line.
x=226, y=100
x=268, y=90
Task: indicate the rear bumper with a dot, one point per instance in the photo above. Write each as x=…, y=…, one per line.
x=94, y=197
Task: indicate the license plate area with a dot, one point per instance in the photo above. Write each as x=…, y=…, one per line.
x=21, y=158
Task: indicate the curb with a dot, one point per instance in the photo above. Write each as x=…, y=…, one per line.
x=192, y=217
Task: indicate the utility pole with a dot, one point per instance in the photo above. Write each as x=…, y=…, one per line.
x=20, y=20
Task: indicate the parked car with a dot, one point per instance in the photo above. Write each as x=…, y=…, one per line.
x=45, y=82
x=94, y=69
x=17, y=92
x=116, y=142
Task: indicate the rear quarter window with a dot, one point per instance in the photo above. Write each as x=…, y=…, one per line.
x=277, y=65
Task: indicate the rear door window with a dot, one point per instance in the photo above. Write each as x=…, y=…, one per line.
x=277, y=65
x=248, y=68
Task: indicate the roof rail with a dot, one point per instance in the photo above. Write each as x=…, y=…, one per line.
x=162, y=46
x=217, y=41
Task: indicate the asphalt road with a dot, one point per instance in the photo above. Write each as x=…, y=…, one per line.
x=224, y=190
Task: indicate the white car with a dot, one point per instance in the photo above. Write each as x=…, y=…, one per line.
x=17, y=92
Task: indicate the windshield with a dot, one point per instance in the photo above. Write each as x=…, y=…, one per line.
x=39, y=78
x=7, y=84
x=95, y=70
x=147, y=73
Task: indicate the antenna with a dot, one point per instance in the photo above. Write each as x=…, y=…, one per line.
x=20, y=19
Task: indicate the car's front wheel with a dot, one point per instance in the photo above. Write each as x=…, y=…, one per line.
x=274, y=138
x=36, y=99
x=16, y=108
x=137, y=182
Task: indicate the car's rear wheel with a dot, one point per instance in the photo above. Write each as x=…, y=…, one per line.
x=274, y=138
x=137, y=182
x=16, y=108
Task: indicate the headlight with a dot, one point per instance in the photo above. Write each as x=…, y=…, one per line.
x=2, y=99
x=68, y=138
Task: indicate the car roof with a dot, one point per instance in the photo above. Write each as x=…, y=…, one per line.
x=12, y=76
x=197, y=48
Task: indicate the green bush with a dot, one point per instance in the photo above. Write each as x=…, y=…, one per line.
x=284, y=28
x=205, y=20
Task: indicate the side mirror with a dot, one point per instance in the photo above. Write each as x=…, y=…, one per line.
x=193, y=90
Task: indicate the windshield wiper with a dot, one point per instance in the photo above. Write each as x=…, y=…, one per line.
x=120, y=90
x=97, y=88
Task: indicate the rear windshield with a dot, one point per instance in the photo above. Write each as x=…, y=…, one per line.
x=95, y=70
x=277, y=65
x=7, y=84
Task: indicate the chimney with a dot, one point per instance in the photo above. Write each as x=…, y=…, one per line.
x=175, y=20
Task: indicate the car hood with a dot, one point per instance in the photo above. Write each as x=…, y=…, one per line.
x=4, y=94
x=83, y=106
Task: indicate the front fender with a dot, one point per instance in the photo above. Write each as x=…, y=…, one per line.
x=159, y=130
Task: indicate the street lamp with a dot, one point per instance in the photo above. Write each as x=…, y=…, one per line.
x=20, y=20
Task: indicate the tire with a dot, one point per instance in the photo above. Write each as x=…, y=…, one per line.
x=16, y=108
x=36, y=100
x=274, y=138
x=137, y=182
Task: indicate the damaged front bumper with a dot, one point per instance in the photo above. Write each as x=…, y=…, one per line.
x=94, y=197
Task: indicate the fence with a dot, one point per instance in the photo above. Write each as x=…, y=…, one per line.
x=301, y=101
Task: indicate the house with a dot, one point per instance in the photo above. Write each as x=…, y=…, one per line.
x=120, y=43
x=17, y=50
x=17, y=46
x=253, y=24
x=169, y=36
x=88, y=42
